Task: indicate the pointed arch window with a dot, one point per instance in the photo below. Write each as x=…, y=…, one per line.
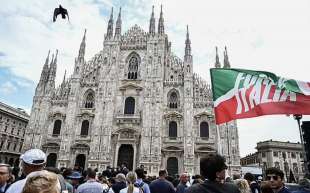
x=204, y=129
x=133, y=67
x=173, y=130
x=173, y=100
x=85, y=128
x=129, y=106
x=89, y=100
x=57, y=127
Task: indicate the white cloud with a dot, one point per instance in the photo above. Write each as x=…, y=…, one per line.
x=7, y=88
x=260, y=34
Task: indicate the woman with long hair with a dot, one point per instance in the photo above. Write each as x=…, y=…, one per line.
x=131, y=178
x=243, y=185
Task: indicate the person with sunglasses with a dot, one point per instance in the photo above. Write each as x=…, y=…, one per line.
x=275, y=178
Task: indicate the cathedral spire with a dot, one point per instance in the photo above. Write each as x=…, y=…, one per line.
x=52, y=60
x=152, y=23
x=64, y=79
x=44, y=73
x=226, y=61
x=118, y=27
x=53, y=68
x=187, y=46
x=188, y=59
x=217, y=60
x=47, y=58
x=82, y=48
x=110, y=26
x=161, y=27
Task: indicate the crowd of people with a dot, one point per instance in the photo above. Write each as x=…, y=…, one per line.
x=36, y=178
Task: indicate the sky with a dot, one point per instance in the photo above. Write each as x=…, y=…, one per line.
x=259, y=35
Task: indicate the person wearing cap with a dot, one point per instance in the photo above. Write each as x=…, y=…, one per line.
x=75, y=178
x=31, y=161
x=4, y=177
x=213, y=169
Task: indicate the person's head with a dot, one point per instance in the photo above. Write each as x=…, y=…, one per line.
x=242, y=185
x=236, y=176
x=140, y=173
x=184, y=178
x=275, y=177
x=75, y=178
x=213, y=167
x=66, y=173
x=32, y=160
x=249, y=177
x=120, y=177
x=41, y=182
x=162, y=173
x=131, y=178
x=4, y=174
x=91, y=174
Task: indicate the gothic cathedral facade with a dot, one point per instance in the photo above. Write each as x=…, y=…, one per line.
x=134, y=102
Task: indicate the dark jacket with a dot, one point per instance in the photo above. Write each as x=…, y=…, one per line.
x=181, y=188
x=118, y=186
x=284, y=190
x=212, y=187
x=161, y=186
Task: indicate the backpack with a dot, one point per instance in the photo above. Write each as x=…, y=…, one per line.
x=106, y=190
x=140, y=186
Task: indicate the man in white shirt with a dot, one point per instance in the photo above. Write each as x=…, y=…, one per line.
x=32, y=160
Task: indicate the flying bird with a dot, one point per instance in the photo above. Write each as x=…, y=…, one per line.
x=61, y=11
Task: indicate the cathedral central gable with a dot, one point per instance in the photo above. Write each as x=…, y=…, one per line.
x=134, y=39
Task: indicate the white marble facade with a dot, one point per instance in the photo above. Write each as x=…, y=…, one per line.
x=134, y=102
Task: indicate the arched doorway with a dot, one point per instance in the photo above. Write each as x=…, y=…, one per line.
x=80, y=161
x=172, y=166
x=125, y=156
x=51, y=160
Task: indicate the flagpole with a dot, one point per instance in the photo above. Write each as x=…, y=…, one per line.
x=228, y=151
x=298, y=117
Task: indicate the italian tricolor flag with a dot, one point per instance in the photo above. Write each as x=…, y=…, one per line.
x=239, y=93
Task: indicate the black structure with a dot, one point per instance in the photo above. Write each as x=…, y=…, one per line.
x=305, y=127
x=61, y=11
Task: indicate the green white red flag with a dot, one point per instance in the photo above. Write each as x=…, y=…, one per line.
x=239, y=93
